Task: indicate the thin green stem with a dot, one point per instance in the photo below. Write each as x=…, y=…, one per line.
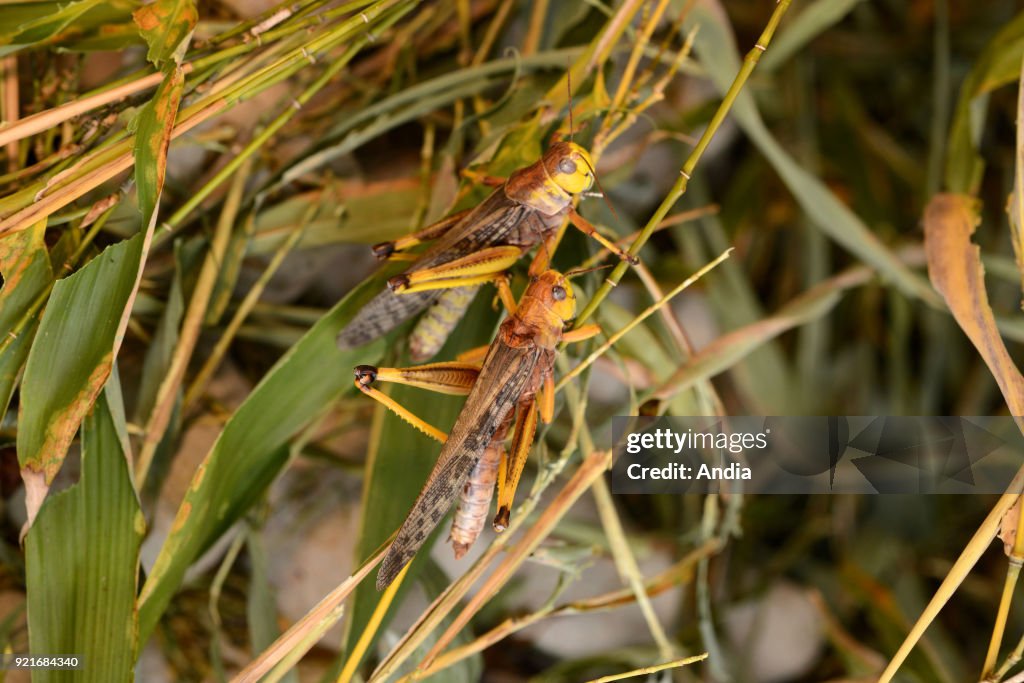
x=679, y=189
x=1010, y=583
x=627, y=566
x=260, y=140
x=649, y=311
x=244, y=308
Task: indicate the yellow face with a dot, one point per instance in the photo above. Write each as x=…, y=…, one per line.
x=554, y=289
x=569, y=166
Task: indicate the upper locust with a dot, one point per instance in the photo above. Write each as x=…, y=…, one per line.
x=476, y=246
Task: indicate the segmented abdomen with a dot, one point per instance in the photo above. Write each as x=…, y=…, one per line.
x=475, y=501
x=437, y=323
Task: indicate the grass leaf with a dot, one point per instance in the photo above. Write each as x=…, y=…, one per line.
x=71, y=359
x=25, y=267
x=152, y=138
x=954, y=265
x=81, y=560
x=166, y=26
x=254, y=446
x=998, y=65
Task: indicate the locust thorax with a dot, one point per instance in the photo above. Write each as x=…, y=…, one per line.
x=549, y=185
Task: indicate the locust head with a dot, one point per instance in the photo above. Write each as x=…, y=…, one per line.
x=569, y=166
x=556, y=295
x=549, y=184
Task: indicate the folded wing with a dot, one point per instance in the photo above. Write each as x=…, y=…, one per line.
x=503, y=380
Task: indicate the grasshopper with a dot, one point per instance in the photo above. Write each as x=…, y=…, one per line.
x=512, y=385
x=476, y=246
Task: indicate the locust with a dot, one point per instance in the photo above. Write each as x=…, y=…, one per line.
x=474, y=247
x=511, y=388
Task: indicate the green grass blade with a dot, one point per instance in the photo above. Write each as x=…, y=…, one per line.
x=998, y=65
x=25, y=267
x=717, y=49
x=166, y=26
x=71, y=359
x=816, y=18
x=81, y=560
x=254, y=446
x=152, y=138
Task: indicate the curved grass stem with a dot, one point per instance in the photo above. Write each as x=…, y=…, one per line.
x=1012, y=574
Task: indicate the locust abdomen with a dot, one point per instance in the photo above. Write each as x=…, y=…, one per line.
x=437, y=323
x=475, y=500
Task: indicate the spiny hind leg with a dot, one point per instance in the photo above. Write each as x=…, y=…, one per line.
x=431, y=232
x=485, y=265
x=453, y=377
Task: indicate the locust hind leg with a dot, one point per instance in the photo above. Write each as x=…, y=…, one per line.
x=454, y=378
x=438, y=322
x=384, y=250
x=485, y=265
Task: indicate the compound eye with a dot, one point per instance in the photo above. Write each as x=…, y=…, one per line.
x=558, y=293
x=567, y=166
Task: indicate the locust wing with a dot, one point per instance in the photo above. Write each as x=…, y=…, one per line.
x=491, y=223
x=504, y=378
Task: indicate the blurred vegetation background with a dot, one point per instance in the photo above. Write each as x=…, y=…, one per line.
x=188, y=193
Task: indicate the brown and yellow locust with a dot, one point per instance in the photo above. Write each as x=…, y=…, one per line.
x=513, y=385
x=476, y=246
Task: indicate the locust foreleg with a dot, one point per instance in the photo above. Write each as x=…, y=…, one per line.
x=588, y=228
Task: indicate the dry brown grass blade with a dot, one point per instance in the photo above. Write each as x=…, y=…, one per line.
x=294, y=636
x=593, y=466
x=954, y=266
x=45, y=120
x=686, y=661
x=958, y=572
x=678, y=574
x=69, y=193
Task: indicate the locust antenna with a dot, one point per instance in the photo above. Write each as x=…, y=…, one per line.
x=600, y=188
x=568, y=87
x=576, y=272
